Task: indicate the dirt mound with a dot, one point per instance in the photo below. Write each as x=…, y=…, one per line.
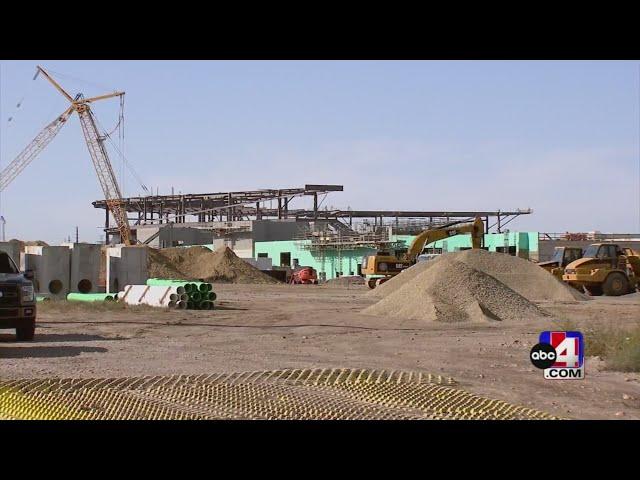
x=346, y=281
x=200, y=263
x=29, y=243
x=520, y=275
x=449, y=290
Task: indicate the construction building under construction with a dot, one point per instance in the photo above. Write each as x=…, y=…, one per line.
x=270, y=227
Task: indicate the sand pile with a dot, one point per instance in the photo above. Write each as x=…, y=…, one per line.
x=346, y=281
x=520, y=275
x=200, y=263
x=449, y=290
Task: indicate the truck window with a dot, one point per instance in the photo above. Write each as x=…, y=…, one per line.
x=572, y=255
x=6, y=264
x=591, y=251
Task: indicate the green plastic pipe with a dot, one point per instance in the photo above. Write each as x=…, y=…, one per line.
x=91, y=297
x=206, y=305
x=212, y=296
x=196, y=297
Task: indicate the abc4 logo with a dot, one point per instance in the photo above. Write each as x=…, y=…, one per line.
x=560, y=355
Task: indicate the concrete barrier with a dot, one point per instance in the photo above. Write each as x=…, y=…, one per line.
x=126, y=266
x=85, y=267
x=51, y=266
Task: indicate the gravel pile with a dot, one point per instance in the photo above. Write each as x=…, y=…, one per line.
x=200, y=263
x=449, y=290
x=520, y=275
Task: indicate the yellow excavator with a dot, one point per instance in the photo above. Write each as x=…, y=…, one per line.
x=383, y=265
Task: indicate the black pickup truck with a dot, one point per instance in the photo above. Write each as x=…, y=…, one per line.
x=17, y=299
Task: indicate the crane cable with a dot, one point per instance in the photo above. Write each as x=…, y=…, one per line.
x=77, y=79
x=124, y=159
x=27, y=93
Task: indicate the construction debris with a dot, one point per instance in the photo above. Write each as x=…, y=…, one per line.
x=346, y=281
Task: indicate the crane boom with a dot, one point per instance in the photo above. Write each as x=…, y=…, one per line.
x=25, y=157
x=104, y=171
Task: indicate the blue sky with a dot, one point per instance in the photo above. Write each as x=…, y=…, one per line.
x=559, y=137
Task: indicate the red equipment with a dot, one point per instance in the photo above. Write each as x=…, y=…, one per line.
x=304, y=275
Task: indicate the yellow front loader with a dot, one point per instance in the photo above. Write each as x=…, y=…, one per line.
x=382, y=266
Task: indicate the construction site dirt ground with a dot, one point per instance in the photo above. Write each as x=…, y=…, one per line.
x=267, y=327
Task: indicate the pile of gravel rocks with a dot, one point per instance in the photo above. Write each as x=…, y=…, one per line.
x=450, y=290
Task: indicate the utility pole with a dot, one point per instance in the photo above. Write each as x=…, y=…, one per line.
x=77, y=241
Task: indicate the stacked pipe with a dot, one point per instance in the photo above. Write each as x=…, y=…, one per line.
x=154, y=296
x=200, y=294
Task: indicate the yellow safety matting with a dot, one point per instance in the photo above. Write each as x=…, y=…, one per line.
x=282, y=394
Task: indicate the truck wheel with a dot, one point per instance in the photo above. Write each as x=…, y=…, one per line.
x=371, y=283
x=594, y=290
x=615, y=285
x=25, y=334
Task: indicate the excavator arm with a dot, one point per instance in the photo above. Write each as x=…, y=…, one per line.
x=475, y=228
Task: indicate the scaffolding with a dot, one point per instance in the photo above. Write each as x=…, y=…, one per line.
x=333, y=240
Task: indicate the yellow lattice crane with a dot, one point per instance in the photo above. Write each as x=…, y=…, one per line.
x=95, y=143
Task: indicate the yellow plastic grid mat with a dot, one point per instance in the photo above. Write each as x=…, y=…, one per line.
x=282, y=394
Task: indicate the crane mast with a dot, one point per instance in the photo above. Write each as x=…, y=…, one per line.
x=99, y=156
x=104, y=171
